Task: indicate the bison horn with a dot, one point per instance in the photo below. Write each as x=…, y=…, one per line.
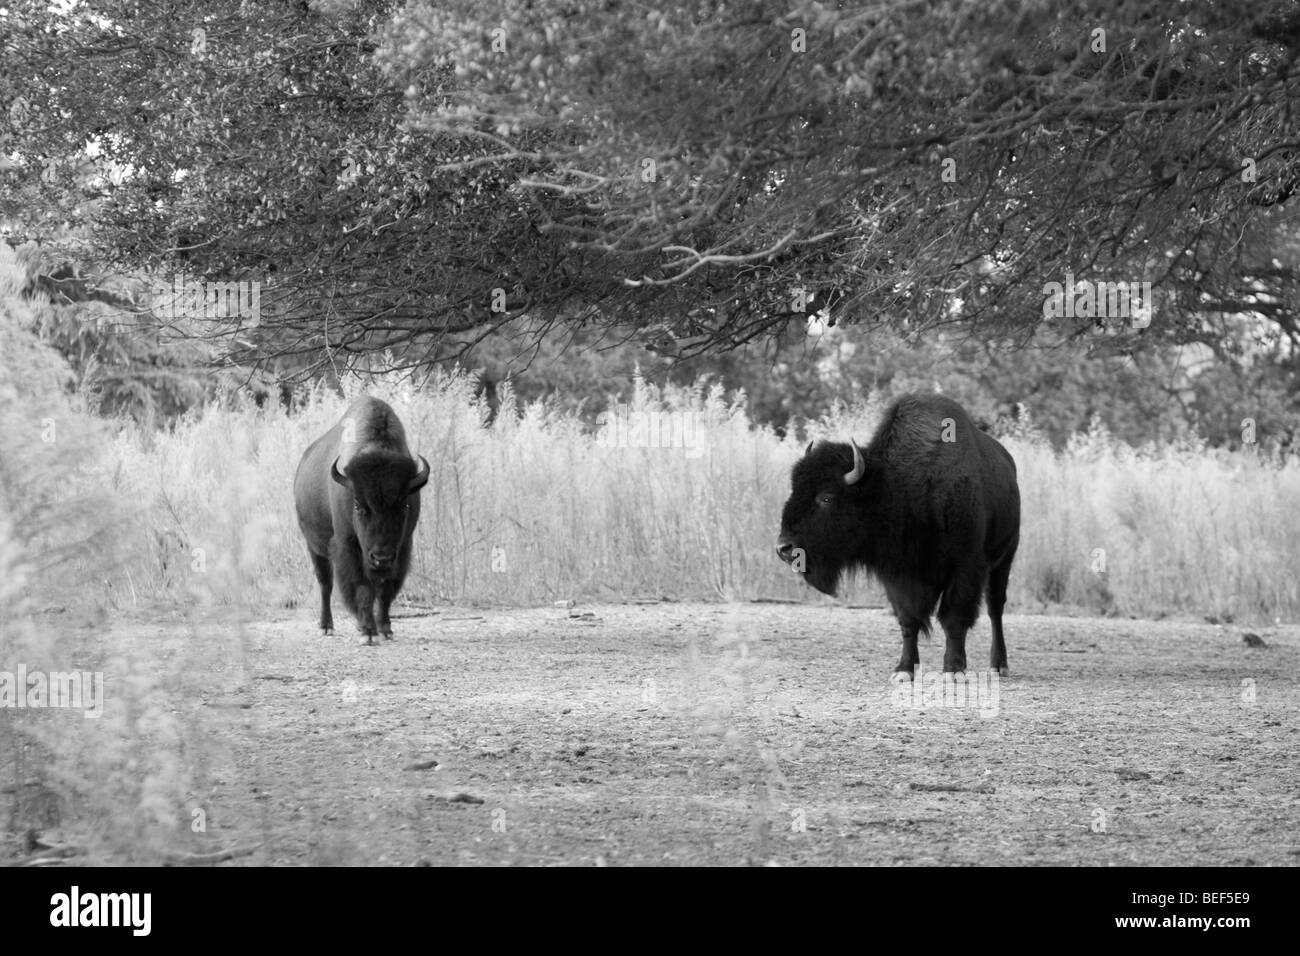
x=338, y=475
x=859, y=465
x=808, y=450
x=421, y=477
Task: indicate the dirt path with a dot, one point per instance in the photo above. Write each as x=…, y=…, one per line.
x=730, y=734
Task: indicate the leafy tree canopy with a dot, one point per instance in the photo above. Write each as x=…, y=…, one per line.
x=414, y=177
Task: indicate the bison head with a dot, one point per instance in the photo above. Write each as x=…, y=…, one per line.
x=824, y=525
x=381, y=488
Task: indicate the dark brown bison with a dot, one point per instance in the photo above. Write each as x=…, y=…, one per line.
x=930, y=507
x=357, y=497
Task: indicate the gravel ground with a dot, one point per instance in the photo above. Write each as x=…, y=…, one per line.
x=737, y=734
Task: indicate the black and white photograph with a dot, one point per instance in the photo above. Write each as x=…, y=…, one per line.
x=591, y=433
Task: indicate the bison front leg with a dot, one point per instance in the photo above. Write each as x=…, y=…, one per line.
x=325, y=577
x=912, y=604
x=383, y=601
x=364, y=602
x=911, y=659
x=958, y=609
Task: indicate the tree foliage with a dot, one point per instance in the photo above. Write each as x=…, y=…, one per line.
x=413, y=178
x=920, y=163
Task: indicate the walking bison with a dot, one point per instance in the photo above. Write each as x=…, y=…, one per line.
x=357, y=497
x=930, y=507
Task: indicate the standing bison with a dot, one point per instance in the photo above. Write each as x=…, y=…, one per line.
x=357, y=497
x=930, y=507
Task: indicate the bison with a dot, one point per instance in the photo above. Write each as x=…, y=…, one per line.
x=930, y=507
x=357, y=497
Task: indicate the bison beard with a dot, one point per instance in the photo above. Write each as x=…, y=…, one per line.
x=357, y=497
x=930, y=507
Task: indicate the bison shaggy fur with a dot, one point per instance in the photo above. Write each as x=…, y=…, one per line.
x=930, y=507
x=357, y=494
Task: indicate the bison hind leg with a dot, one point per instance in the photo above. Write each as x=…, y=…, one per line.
x=997, y=598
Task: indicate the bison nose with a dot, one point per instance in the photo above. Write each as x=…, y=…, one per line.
x=382, y=559
x=785, y=551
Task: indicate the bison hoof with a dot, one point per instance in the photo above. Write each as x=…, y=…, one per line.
x=327, y=631
x=901, y=677
x=1004, y=671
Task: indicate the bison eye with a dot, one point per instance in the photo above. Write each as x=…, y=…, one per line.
x=825, y=500
x=361, y=509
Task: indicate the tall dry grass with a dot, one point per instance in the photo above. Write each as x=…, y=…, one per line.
x=536, y=508
x=131, y=755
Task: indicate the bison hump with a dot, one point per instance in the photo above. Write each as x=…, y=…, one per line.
x=370, y=426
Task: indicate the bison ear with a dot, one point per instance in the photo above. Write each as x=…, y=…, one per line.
x=859, y=465
x=421, y=477
x=338, y=475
